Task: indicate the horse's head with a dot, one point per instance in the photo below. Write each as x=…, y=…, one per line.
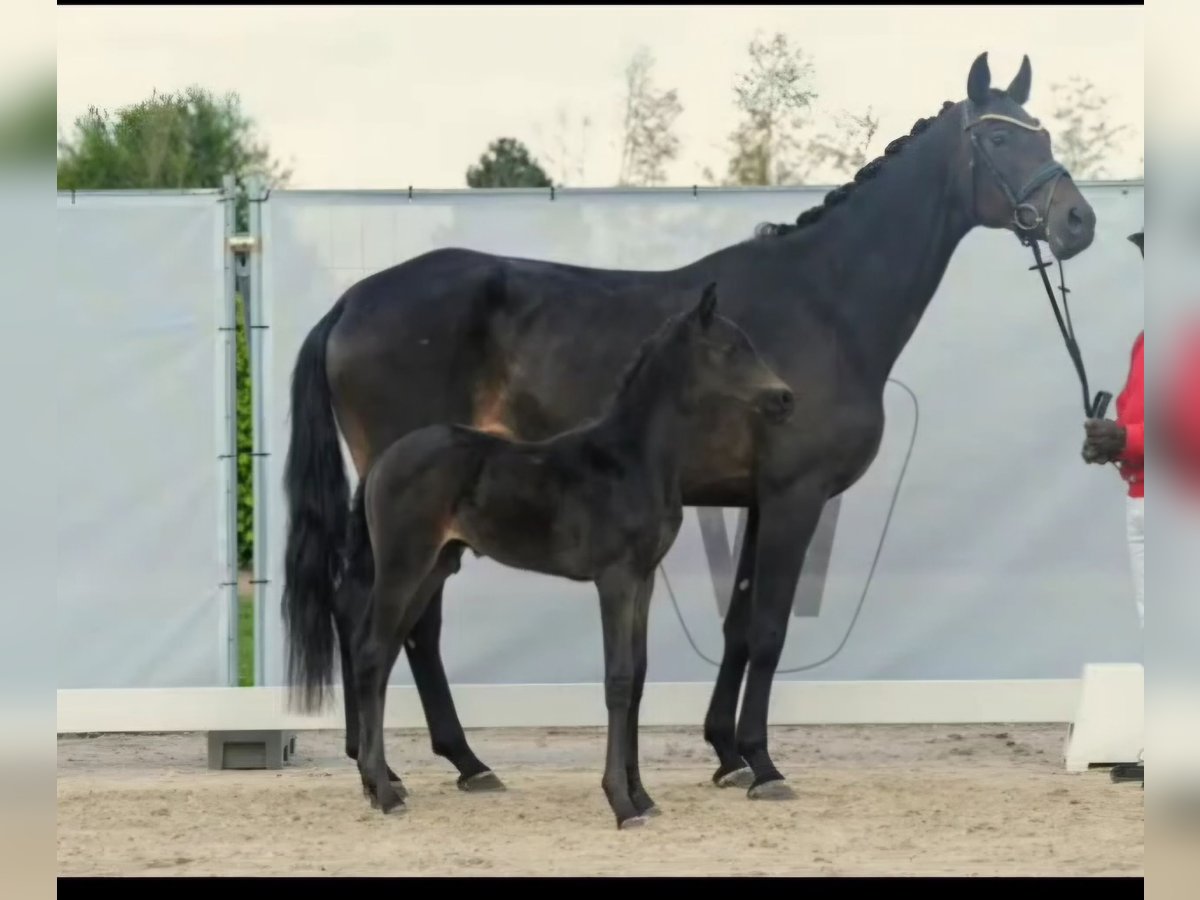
x=1013, y=180
x=723, y=362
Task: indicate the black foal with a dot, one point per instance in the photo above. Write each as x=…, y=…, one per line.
x=598, y=503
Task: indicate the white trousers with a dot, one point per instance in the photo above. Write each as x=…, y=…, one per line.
x=1135, y=533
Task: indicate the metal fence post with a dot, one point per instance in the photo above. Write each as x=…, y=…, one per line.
x=257, y=336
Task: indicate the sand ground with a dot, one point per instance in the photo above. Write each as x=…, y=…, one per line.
x=871, y=800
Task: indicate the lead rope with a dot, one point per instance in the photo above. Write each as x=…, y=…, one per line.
x=1092, y=408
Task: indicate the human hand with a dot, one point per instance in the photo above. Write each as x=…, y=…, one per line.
x=1104, y=441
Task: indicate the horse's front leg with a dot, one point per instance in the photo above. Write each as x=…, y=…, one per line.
x=721, y=721
x=787, y=521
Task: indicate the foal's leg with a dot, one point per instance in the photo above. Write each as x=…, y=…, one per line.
x=788, y=523
x=349, y=605
x=345, y=619
x=394, y=608
x=393, y=652
x=720, y=723
x=618, y=599
x=637, y=793
x=426, y=664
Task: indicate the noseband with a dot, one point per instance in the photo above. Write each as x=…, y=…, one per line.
x=1026, y=218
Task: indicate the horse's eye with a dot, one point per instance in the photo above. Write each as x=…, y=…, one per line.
x=999, y=137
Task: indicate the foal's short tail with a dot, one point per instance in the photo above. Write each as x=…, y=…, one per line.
x=317, y=496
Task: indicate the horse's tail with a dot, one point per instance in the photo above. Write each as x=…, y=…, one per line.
x=318, y=498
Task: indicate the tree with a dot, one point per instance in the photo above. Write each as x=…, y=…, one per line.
x=28, y=117
x=190, y=139
x=507, y=163
x=835, y=154
x=774, y=97
x=1085, y=139
x=568, y=163
x=648, y=138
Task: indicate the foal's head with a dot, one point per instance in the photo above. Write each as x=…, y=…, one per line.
x=717, y=359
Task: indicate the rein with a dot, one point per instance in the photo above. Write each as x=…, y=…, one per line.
x=1092, y=409
x=1026, y=218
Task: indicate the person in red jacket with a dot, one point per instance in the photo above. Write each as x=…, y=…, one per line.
x=1123, y=442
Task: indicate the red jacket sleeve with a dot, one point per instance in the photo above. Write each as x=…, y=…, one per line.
x=1135, y=448
x=1130, y=406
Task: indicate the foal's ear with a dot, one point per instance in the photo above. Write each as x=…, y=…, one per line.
x=707, y=307
x=979, y=80
x=1019, y=89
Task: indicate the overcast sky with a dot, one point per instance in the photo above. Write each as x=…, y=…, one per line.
x=377, y=97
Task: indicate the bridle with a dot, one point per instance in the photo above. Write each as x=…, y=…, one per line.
x=1026, y=218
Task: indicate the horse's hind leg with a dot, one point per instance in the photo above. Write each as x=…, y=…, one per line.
x=445, y=730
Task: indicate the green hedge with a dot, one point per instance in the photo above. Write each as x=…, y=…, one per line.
x=245, y=443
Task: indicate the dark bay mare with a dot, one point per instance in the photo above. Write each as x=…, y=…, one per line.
x=598, y=503
x=527, y=348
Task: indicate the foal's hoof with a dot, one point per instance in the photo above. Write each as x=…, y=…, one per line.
x=635, y=822
x=651, y=813
x=393, y=806
x=771, y=790
x=741, y=778
x=481, y=783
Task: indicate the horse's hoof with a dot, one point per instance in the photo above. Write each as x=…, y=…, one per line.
x=771, y=790
x=651, y=813
x=400, y=789
x=635, y=822
x=481, y=783
x=741, y=778
x=393, y=807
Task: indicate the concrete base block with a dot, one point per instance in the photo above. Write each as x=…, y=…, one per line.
x=250, y=749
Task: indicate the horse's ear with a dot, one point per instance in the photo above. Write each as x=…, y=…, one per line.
x=979, y=80
x=1019, y=89
x=707, y=307
x=1139, y=239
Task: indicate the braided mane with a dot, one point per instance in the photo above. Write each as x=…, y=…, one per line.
x=839, y=194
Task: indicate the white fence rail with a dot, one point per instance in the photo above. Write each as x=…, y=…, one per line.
x=577, y=705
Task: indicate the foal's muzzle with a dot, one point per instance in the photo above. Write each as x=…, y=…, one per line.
x=776, y=405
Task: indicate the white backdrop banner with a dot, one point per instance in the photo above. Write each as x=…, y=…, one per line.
x=142, y=505
x=1004, y=555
